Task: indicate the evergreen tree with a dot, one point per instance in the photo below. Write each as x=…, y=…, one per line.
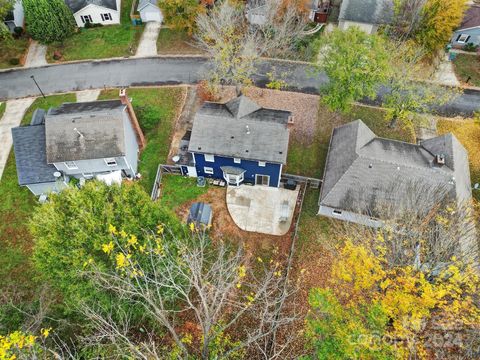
x=48, y=20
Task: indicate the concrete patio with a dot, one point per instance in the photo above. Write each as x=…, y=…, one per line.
x=259, y=208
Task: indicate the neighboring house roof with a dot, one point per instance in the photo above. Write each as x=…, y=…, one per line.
x=30, y=156
x=82, y=131
x=241, y=129
x=366, y=11
x=143, y=3
x=76, y=5
x=364, y=171
x=471, y=18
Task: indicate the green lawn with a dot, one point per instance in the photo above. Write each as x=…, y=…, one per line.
x=16, y=207
x=156, y=109
x=467, y=66
x=3, y=106
x=13, y=50
x=308, y=159
x=175, y=42
x=177, y=190
x=101, y=42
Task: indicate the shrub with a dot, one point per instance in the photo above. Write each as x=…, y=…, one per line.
x=14, y=61
x=57, y=55
x=48, y=20
x=470, y=47
x=18, y=31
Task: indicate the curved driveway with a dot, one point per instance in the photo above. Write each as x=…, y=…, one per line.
x=166, y=70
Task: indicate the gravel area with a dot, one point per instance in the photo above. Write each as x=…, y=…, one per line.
x=304, y=108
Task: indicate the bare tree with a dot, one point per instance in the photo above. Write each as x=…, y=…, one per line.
x=210, y=283
x=425, y=229
x=235, y=45
x=406, y=17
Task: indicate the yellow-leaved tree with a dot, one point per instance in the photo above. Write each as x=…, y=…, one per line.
x=438, y=20
x=375, y=310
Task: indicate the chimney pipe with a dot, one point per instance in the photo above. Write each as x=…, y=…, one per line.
x=133, y=118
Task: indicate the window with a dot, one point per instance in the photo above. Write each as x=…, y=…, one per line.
x=209, y=158
x=87, y=175
x=86, y=18
x=237, y=160
x=111, y=162
x=262, y=180
x=463, y=38
x=208, y=170
x=262, y=163
x=71, y=165
x=337, y=212
x=106, y=17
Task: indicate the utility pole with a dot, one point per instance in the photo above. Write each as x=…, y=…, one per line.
x=35, y=81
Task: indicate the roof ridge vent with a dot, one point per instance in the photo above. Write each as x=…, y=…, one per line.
x=440, y=159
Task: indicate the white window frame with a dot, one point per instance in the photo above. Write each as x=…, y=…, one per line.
x=88, y=175
x=73, y=167
x=86, y=18
x=237, y=160
x=262, y=163
x=465, y=38
x=209, y=157
x=263, y=176
x=208, y=170
x=106, y=17
x=111, y=160
x=337, y=212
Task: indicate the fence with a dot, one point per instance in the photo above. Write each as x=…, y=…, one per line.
x=312, y=182
x=163, y=169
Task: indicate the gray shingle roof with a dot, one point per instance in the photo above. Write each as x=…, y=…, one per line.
x=241, y=129
x=364, y=171
x=76, y=5
x=143, y=3
x=30, y=157
x=471, y=18
x=82, y=131
x=366, y=11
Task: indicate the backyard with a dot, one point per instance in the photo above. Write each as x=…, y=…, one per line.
x=157, y=110
x=101, y=42
x=11, y=52
x=17, y=204
x=467, y=66
x=173, y=42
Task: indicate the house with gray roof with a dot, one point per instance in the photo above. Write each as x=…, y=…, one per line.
x=366, y=175
x=469, y=29
x=368, y=15
x=239, y=142
x=79, y=140
x=106, y=12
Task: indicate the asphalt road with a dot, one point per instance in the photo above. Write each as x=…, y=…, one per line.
x=61, y=78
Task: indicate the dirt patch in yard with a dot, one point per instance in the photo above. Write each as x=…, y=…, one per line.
x=224, y=227
x=303, y=107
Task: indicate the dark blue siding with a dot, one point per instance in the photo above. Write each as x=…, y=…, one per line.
x=251, y=168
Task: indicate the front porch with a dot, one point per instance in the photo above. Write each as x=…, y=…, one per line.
x=262, y=209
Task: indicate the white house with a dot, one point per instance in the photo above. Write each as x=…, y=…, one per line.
x=15, y=18
x=149, y=11
x=368, y=15
x=106, y=12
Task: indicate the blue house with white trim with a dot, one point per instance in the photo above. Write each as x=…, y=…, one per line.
x=469, y=30
x=239, y=142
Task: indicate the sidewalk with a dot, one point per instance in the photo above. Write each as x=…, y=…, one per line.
x=13, y=116
x=148, y=41
x=445, y=75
